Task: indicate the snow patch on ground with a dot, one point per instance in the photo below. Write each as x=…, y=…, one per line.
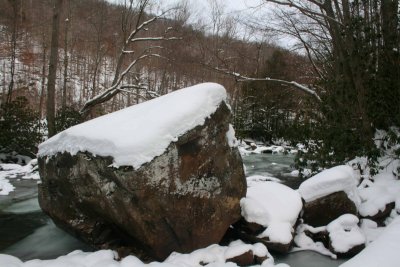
x=384, y=251
x=15, y=171
x=212, y=256
x=274, y=206
x=370, y=230
x=5, y=187
x=336, y=179
x=161, y=121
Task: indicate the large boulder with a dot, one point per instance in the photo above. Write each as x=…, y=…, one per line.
x=180, y=199
x=328, y=195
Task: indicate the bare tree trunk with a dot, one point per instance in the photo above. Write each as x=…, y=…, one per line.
x=51, y=81
x=42, y=90
x=15, y=7
x=64, y=90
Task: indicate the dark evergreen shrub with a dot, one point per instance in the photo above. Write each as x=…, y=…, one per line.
x=67, y=117
x=20, y=128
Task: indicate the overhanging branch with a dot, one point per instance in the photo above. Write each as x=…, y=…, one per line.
x=241, y=78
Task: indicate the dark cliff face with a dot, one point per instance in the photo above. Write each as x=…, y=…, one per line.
x=182, y=200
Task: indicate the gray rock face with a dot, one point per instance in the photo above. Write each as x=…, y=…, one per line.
x=180, y=201
x=322, y=211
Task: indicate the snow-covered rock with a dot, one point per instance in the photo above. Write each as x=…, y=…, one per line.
x=179, y=188
x=328, y=195
x=384, y=251
x=340, y=238
x=336, y=179
x=378, y=198
x=346, y=238
x=312, y=238
x=274, y=206
x=15, y=171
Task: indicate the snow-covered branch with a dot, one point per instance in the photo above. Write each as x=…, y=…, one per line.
x=115, y=88
x=241, y=78
x=161, y=38
x=144, y=24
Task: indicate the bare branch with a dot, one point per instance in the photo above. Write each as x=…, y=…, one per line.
x=241, y=78
x=114, y=89
x=134, y=86
x=119, y=75
x=155, y=39
x=144, y=24
x=306, y=11
x=128, y=52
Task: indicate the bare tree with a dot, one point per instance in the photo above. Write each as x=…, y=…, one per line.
x=43, y=73
x=51, y=80
x=357, y=43
x=16, y=5
x=225, y=63
x=131, y=38
x=66, y=56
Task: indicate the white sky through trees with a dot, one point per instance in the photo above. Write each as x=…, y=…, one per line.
x=243, y=10
x=202, y=7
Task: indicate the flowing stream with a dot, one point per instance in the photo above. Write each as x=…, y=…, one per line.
x=27, y=233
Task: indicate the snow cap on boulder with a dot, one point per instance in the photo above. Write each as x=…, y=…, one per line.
x=137, y=134
x=336, y=179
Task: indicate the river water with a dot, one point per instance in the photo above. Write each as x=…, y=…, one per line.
x=27, y=233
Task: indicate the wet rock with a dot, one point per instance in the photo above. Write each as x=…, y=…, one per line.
x=322, y=211
x=182, y=200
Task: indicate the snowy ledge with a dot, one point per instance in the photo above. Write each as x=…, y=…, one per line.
x=135, y=135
